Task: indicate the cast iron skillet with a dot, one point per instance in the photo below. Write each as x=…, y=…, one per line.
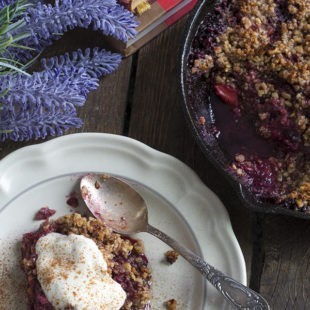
x=196, y=104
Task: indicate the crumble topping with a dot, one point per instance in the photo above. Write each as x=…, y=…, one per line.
x=255, y=55
x=126, y=262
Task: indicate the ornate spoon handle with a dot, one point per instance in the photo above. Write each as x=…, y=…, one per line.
x=240, y=296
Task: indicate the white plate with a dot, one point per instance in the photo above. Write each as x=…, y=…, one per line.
x=179, y=204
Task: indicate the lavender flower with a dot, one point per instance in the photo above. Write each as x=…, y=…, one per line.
x=36, y=123
x=40, y=105
x=45, y=102
x=4, y=3
x=32, y=105
x=66, y=88
x=96, y=63
x=47, y=23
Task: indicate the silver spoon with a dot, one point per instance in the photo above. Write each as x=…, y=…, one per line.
x=123, y=209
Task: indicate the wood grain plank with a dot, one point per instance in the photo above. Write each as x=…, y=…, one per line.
x=285, y=279
x=105, y=108
x=158, y=120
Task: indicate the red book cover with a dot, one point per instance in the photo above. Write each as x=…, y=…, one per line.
x=160, y=15
x=168, y=4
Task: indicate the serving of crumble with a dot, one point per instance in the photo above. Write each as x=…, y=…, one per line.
x=121, y=261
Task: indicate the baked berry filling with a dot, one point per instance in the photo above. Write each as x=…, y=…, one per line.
x=253, y=56
x=127, y=263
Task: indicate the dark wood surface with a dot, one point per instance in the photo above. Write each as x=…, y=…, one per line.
x=141, y=100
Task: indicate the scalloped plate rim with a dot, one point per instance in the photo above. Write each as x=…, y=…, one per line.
x=152, y=159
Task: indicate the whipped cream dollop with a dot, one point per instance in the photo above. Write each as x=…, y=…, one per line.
x=72, y=272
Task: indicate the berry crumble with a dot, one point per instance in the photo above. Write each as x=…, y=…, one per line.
x=255, y=56
x=121, y=259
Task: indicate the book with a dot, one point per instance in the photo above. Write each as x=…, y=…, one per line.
x=160, y=15
x=137, y=7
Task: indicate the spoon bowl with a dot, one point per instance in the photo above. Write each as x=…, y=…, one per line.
x=123, y=209
x=115, y=202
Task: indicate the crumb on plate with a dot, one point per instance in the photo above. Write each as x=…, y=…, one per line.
x=171, y=304
x=171, y=256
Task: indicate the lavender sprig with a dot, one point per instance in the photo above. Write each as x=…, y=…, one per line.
x=12, y=32
x=65, y=81
x=95, y=62
x=57, y=90
x=44, y=103
x=4, y=3
x=37, y=123
x=65, y=88
x=47, y=23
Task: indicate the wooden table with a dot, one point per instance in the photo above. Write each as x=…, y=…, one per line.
x=141, y=100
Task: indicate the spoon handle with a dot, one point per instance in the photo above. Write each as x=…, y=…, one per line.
x=236, y=293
